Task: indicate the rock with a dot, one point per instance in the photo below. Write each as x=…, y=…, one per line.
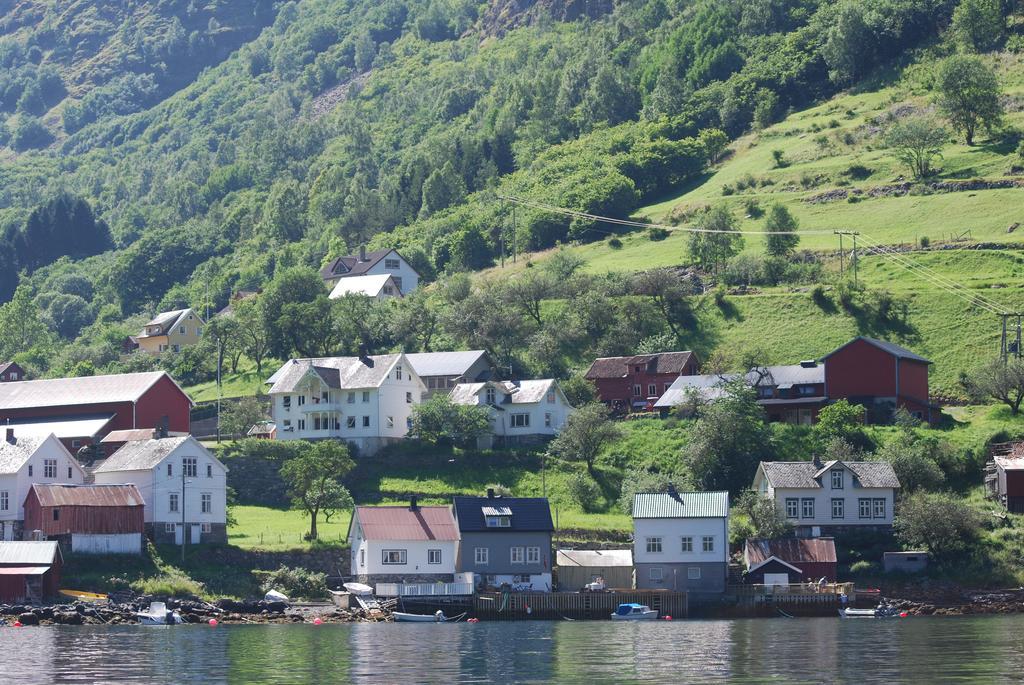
x=68, y=618
x=28, y=619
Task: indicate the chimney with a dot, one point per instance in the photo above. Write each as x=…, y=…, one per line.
x=490, y=493
x=364, y=354
x=817, y=461
x=362, y=253
x=162, y=430
x=10, y=436
x=413, y=505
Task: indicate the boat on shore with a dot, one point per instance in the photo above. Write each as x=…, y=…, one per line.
x=634, y=612
x=159, y=615
x=358, y=589
x=881, y=611
x=83, y=596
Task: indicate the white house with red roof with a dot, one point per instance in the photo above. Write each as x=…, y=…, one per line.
x=403, y=544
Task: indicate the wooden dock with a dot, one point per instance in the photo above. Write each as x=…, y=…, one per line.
x=519, y=606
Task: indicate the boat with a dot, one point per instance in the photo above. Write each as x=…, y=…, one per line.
x=83, y=596
x=274, y=596
x=882, y=611
x=437, y=617
x=358, y=588
x=634, y=612
x=159, y=615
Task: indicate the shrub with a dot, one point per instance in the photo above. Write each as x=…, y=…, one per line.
x=657, y=233
x=941, y=523
x=614, y=243
x=584, y=492
x=727, y=189
x=294, y=582
x=833, y=123
x=820, y=297
x=753, y=208
x=925, y=241
x=779, y=157
x=499, y=489
x=857, y=172
x=171, y=583
x=865, y=568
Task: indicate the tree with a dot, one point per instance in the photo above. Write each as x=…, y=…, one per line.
x=528, y=292
x=439, y=419
x=283, y=211
x=916, y=141
x=314, y=479
x=222, y=332
x=840, y=420
x=579, y=390
x=669, y=295
x=714, y=141
x=968, y=94
x=442, y=189
x=779, y=223
x=911, y=459
x=716, y=244
x=21, y=327
x=767, y=520
x=941, y=523
x=585, y=432
x=414, y=321
x=289, y=286
x=237, y=417
x=252, y=330
x=999, y=380
x=978, y=24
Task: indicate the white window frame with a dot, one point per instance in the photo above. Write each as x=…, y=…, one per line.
x=350, y=422
x=206, y=527
x=206, y=503
x=401, y=555
x=837, y=479
x=652, y=389
x=366, y=396
x=521, y=420
x=636, y=390
x=794, y=512
x=653, y=544
x=878, y=508
x=707, y=544
x=190, y=466
x=517, y=555
x=533, y=555
x=656, y=574
x=490, y=397
x=170, y=527
x=392, y=263
x=408, y=398
x=693, y=572
x=173, y=502
x=398, y=372
x=49, y=468
x=5, y=500
x=686, y=543
x=389, y=422
x=865, y=508
x=481, y=556
x=498, y=521
x=838, y=508
x=366, y=422
x=807, y=504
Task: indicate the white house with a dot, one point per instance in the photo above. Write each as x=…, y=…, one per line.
x=681, y=540
x=379, y=287
x=28, y=459
x=521, y=411
x=403, y=544
x=375, y=263
x=183, y=484
x=821, y=499
x=366, y=401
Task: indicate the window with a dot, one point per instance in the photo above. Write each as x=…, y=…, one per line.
x=316, y=423
x=199, y=331
x=837, y=479
x=75, y=444
x=162, y=348
x=398, y=281
x=864, y=508
x=480, y=555
x=654, y=545
x=170, y=527
x=350, y=422
x=551, y=397
x=636, y=390
x=170, y=470
x=879, y=508
x=652, y=389
x=392, y=264
x=56, y=514
x=388, y=290
x=408, y=398
x=687, y=544
x=433, y=556
x=325, y=396
x=189, y=464
x=172, y=502
x=302, y=424
x=351, y=398
x=520, y=420
x=792, y=508
x=765, y=391
x=389, y=422
x=176, y=347
x=14, y=375
x=398, y=372
x=366, y=422
x=807, y=508
x=207, y=503
x=286, y=402
x=667, y=386
x=656, y=575
x=517, y=555
x=69, y=473
x=393, y=557
x=209, y=470
x=805, y=390
x=498, y=521
x=533, y=555
x=366, y=396
x=693, y=572
x=5, y=500
x=302, y=400
x=838, y=507
x=489, y=395
x=708, y=543
x=206, y=527
x=362, y=557
x=49, y=468
x=183, y=330
x=30, y=470
x=547, y=419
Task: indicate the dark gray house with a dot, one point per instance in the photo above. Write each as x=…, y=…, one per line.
x=505, y=540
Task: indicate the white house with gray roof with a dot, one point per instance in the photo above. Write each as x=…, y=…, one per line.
x=521, y=411
x=681, y=540
x=442, y=371
x=366, y=401
x=183, y=484
x=826, y=498
x=28, y=459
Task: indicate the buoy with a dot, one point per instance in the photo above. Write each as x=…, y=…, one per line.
x=17, y=624
x=903, y=614
x=668, y=618
x=213, y=622
x=317, y=621
x=472, y=620
x=528, y=611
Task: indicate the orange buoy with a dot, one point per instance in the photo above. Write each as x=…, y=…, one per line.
x=903, y=614
x=317, y=621
x=17, y=624
x=668, y=618
x=213, y=622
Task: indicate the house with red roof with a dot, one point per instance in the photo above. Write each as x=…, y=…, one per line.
x=632, y=383
x=403, y=544
x=785, y=561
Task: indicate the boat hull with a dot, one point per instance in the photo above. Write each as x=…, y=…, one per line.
x=417, y=618
x=651, y=615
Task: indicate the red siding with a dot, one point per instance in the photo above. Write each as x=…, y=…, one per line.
x=914, y=380
x=1014, y=483
x=79, y=519
x=621, y=389
x=860, y=370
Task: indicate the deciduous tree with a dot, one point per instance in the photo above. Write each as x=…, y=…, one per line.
x=968, y=94
x=780, y=223
x=314, y=479
x=916, y=141
x=585, y=432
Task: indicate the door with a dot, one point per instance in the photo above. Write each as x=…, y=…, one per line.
x=7, y=530
x=177, y=533
x=196, y=534
x=772, y=579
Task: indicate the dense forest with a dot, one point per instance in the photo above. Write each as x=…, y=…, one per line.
x=170, y=153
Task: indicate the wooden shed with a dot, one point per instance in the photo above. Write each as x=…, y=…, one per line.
x=29, y=571
x=789, y=560
x=1010, y=479
x=577, y=567
x=98, y=519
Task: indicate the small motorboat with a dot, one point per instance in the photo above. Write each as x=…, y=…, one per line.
x=437, y=617
x=858, y=613
x=597, y=586
x=634, y=612
x=83, y=596
x=159, y=615
x=358, y=588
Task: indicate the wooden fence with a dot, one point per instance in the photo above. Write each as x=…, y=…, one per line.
x=422, y=589
x=517, y=606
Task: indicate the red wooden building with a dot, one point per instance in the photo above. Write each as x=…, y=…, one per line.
x=10, y=371
x=29, y=571
x=130, y=400
x=87, y=518
x=798, y=559
x=880, y=375
x=635, y=383
x=1010, y=479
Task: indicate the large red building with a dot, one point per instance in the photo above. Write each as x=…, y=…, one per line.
x=95, y=405
x=634, y=383
x=880, y=375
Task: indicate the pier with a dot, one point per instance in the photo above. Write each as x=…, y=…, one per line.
x=519, y=606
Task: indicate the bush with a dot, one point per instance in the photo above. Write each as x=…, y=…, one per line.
x=820, y=297
x=752, y=208
x=865, y=568
x=728, y=189
x=857, y=172
x=941, y=523
x=779, y=157
x=296, y=583
x=925, y=241
x=657, y=233
x=499, y=489
x=614, y=243
x=171, y=583
x=585, y=492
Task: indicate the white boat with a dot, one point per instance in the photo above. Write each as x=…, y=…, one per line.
x=358, y=588
x=159, y=615
x=880, y=612
x=274, y=596
x=437, y=617
x=634, y=612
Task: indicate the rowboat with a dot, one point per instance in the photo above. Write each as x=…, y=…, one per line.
x=437, y=617
x=358, y=588
x=858, y=613
x=83, y=596
x=634, y=612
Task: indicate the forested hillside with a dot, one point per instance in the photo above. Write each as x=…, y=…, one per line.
x=223, y=150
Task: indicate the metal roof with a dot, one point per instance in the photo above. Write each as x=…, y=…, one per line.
x=343, y=373
x=54, y=495
x=594, y=558
x=24, y=570
x=142, y=455
x=663, y=505
x=806, y=474
x=362, y=285
x=129, y=434
x=509, y=392
x=166, y=321
x=528, y=514
x=444, y=363
x=351, y=265
x=891, y=348
x=496, y=511
x=29, y=553
x=63, y=427
x=56, y=392
x=791, y=550
x=1010, y=463
x=14, y=455
x=708, y=386
x=406, y=524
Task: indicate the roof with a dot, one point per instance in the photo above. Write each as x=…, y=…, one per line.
x=6, y=365
x=528, y=514
x=708, y=386
x=131, y=434
x=596, y=558
x=343, y=373
x=788, y=375
x=262, y=428
x=892, y=348
x=29, y=553
x=62, y=427
x=513, y=392
x=142, y=455
x=166, y=321
x=83, y=390
x=362, y=285
x=444, y=363
x=54, y=495
x=350, y=265
x=662, y=505
x=405, y=524
x=1011, y=463
x=24, y=570
x=805, y=474
x=13, y=456
x=791, y=550
x=618, y=367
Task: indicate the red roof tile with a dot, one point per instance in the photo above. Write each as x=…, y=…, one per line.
x=792, y=550
x=401, y=523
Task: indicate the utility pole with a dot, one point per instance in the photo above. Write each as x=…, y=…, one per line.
x=515, y=245
x=1010, y=340
x=184, y=529
x=853, y=257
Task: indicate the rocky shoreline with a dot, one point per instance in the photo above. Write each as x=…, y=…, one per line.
x=955, y=601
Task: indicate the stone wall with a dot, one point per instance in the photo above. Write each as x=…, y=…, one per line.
x=408, y=578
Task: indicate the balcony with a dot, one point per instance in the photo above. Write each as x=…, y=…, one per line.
x=321, y=406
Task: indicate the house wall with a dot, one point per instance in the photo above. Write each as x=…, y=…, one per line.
x=673, y=562
x=573, y=578
x=622, y=389
x=409, y=278
x=17, y=485
x=822, y=497
x=184, y=334
x=559, y=413
x=12, y=373
x=81, y=519
x=370, y=553
x=499, y=545
x=864, y=371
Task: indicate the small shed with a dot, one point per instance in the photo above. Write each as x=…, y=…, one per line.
x=1010, y=479
x=790, y=560
x=90, y=519
x=577, y=567
x=29, y=571
x=905, y=562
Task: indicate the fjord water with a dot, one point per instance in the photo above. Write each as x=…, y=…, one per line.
x=967, y=649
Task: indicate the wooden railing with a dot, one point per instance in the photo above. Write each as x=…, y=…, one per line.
x=793, y=589
x=422, y=589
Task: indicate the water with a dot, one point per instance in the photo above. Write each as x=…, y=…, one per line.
x=968, y=649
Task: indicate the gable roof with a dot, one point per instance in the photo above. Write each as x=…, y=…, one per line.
x=528, y=514
x=618, y=367
x=142, y=455
x=787, y=375
x=794, y=551
x=4, y=366
x=401, y=523
x=83, y=390
x=805, y=474
x=14, y=455
x=708, y=386
x=166, y=321
x=29, y=553
x=594, y=558
x=351, y=265
x=369, y=285
x=132, y=434
x=54, y=495
x=445, y=363
x=342, y=373
x=86, y=426
x=513, y=392
x=892, y=348
x=661, y=505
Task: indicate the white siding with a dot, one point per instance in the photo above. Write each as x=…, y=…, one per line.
x=409, y=278
x=671, y=531
x=122, y=543
x=415, y=556
x=17, y=485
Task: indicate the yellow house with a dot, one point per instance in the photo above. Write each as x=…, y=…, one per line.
x=171, y=331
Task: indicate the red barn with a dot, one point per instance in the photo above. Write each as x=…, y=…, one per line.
x=798, y=559
x=10, y=371
x=631, y=383
x=879, y=375
x=99, y=519
x=29, y=571
x=129, y=400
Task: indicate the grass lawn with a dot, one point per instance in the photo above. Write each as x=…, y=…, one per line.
x=282, y=529
x=245, y=382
